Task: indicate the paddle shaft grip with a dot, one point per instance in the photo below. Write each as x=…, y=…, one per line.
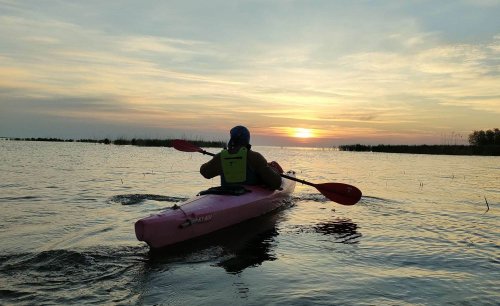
x=206, y=153
x=297, y=180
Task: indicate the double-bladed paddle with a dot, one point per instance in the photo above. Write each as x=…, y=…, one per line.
x=338, y=192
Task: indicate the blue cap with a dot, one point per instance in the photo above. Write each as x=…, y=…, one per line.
x=240, y=136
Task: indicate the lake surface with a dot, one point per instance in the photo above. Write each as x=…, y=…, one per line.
x=421, y=235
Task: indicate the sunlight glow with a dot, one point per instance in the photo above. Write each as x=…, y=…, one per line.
x=303, y=133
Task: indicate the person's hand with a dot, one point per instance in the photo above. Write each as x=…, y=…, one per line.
x=276, y=167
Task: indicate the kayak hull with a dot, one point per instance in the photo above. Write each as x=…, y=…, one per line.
x=208, y=213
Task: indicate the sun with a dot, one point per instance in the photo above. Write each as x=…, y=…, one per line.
x=303, y=133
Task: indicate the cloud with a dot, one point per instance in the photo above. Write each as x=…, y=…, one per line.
x=482, y=3
x=363, y=68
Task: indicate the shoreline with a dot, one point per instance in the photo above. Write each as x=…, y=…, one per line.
x=121, y=141
x=486, y=150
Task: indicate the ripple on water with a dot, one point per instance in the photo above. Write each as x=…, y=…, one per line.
x=131, y=199
x=27, y=198
x=419, y=235
x=56, y=275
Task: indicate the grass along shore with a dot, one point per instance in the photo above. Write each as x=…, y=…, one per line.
x=485, y=150
x=121, y=141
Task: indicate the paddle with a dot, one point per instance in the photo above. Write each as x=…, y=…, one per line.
x=338, y=192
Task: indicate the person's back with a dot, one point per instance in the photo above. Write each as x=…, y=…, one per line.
x=240, y=165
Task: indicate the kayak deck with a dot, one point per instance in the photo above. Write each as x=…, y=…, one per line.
x=208, y=213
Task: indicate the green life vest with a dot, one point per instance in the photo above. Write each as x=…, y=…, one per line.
x=234, y=166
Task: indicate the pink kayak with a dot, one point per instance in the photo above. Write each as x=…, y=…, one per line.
x=208, y=213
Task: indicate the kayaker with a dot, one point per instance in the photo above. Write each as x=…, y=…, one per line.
x=238, y=164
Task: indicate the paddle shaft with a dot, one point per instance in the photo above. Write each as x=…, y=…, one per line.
x=338, y=192
x=282, y=175
x=200, y=150
x=297, y=180
x=206, y=153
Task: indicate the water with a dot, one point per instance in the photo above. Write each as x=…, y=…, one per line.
x=421, y=235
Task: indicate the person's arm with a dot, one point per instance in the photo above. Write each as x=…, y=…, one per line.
x=270, y=177
x=212, y=168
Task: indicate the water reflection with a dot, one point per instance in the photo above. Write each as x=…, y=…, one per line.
x=131, y=199
x=253, y=252
x=343, y=230
x=426, y=236
x=54, y=276
x=339, y=230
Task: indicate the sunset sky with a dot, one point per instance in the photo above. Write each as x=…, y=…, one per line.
x=314, y=73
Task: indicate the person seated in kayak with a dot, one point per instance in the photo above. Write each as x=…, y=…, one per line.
x=238, y=164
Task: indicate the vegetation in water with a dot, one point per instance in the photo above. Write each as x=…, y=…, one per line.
x=134, y=142
x=491, y=150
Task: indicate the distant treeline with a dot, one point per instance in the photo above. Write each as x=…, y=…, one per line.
x=485, y=138
x=490, y=150
x=133, y=142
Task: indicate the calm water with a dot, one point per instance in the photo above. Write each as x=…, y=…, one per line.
x=420, y=235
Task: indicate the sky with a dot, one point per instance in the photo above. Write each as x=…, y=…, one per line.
x=296, y=73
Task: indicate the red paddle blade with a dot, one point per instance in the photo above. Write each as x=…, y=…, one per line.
x=340, y=193
x=185, y=146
